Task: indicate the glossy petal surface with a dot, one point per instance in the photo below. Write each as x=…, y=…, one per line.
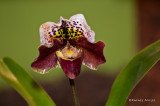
x=47, y=58
x=71, y=67
x=64, y=41
x=93, y=52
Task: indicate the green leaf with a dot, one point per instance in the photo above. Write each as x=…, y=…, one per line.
x=20, y=80
x=132, y=74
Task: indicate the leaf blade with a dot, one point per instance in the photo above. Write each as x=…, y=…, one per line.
x=132, y=74
x=19, y=79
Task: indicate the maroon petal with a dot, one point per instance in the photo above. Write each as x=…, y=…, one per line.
x=47, y=58
x=71, y=67
x=93, y=52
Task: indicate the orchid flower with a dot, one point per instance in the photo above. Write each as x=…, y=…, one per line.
x=69, y=43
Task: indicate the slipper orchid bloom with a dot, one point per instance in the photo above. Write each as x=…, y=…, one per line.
x=71, y=43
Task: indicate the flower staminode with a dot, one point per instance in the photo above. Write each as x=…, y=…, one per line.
x=69, y=52
x=71, y=43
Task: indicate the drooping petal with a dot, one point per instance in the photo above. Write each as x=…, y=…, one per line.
x=70, y=59
x=71, y=68
x=93, y=52
x=68, y=37
x=80, y=21
x=47, y=58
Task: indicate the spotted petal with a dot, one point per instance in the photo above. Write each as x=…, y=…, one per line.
x=93, y=52
x=47, y=31
x=81, y=22
x=47, y=58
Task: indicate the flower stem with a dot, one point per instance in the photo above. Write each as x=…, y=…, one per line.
x=71, y=81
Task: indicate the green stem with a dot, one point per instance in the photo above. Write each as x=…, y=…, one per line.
x=71, y=81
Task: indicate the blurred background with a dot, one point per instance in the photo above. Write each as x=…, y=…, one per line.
x=126, y=26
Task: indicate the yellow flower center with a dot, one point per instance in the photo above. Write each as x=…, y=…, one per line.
x=69, y=53
x=68, y=33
